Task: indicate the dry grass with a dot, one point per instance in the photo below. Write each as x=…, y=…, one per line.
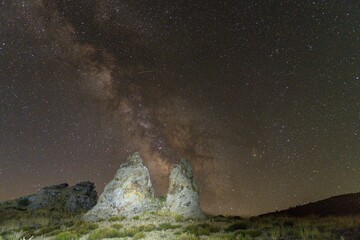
x=166, y=227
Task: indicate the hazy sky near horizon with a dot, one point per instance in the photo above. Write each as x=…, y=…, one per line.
x=263, y=97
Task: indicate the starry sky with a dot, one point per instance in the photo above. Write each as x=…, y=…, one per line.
x=263, y=97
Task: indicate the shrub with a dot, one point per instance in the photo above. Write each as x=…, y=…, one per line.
x=187, y=236
x=136, y=218
x=253, y=233
x=28, y=228
x=202, y=229
x=139, y=235
x=288, y=223
x=113, y=233
x=117, y=218
x=236, y=226
x=147, y=228
x=307, y=232
x=83, y=227
x=162, y=199
x=67, y=236
x=104, y=233
x=179, y=218
x=223, y=237
x=24, y=202
x=47, y=230
x=275, y=233
x=166, y=226
x=130, y=232
x=117, y=226
x=247, y=237
x=69, y=224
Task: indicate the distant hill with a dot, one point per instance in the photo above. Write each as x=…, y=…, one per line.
x=341, y=205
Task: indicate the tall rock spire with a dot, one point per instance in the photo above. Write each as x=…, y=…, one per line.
x=129, y=193
x=183, y=196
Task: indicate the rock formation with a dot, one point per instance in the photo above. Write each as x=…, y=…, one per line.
x=129, y=193
x=61, y=198
x=183, y=195
x=85, y=197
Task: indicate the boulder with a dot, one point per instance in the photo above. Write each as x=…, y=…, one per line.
x=129, y=193
x=183, y=195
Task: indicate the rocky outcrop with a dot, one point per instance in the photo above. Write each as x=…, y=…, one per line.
x=61, y=198
x=183, y=196
x=47, y=197
x=78, y=198
x=83, y=197
x=129, y=193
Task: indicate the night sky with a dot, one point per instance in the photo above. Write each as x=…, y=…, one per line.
x=263, y=98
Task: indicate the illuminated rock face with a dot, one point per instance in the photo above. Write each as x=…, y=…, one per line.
x=129, y=193
x=183, y=196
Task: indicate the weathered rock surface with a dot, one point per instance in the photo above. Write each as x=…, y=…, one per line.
x=129, y=193
x=183, y=196
x=61, y=198
x=84, y=199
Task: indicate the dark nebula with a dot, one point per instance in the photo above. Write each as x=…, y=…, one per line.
x=263, y=98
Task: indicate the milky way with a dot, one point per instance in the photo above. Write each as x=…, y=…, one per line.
x=263, y=99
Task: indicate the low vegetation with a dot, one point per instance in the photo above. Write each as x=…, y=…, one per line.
x=202, y=229
x=166, y=227
x=237, y=226
x=117, y=218
x=104, y=233
x=67, y=235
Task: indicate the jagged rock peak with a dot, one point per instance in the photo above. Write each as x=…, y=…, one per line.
x=129, y=193
x=56, y=187
x=183, y=195
x=134, y=160
x=186, y=168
